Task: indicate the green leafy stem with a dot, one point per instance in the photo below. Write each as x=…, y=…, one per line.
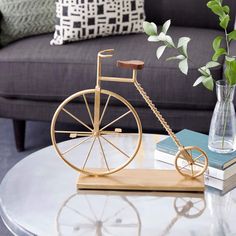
x=220, y=50
x=205, y=78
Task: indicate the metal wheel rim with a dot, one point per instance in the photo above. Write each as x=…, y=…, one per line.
x=203, y=155
x=107, y=92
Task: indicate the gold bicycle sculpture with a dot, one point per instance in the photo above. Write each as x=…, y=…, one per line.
x=186, y=163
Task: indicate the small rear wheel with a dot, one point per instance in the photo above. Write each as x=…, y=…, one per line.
x=191, y=161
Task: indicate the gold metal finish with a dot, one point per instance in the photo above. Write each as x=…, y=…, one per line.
x=187, y=165
x=96, y=134
x=157, y=113
x=192, y=167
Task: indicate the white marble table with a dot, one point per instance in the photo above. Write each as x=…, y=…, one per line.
x=38, y=197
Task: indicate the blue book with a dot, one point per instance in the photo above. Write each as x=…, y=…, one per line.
x=218, y=163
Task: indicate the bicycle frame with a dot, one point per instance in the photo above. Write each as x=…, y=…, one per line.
x=101, y=78
x=108, y=54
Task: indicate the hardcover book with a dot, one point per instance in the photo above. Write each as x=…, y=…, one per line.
x=221, y=166
x=224, y=186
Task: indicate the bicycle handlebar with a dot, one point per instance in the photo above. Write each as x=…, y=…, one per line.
x=100, y=54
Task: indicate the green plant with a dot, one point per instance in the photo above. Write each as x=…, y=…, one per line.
x=205, y=78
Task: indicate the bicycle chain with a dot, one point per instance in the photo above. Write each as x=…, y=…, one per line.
x=157, y=113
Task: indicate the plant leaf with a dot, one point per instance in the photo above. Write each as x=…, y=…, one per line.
x=153, y=38
x=226, y=9
x=232, y=35
x=208, y=82
x=218, y=1
x=162, y=37
x=154, y=26
x=199, y=80
x=183, y=42
x=233, y=71
x=204, y=71
x=217, y=42
x=224, y=22
x=183, y=66
x=211, y=4
x=169, y=41
x=166, y=26
x=217, y=9
x=218, y=53
x=160, y=51
x=230, y=72
x=179, y=57
x=212, y=64
x=150, y=28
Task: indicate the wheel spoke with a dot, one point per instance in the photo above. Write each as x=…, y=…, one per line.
x=181, y=207
x=120, y=117
x=183, y=200
x=196, y=208
x=103, y=154
x=88, y=109
x=77, y=119
x=79, y=213
x=85, y=162
x=197, y=201
x=110, y=132
x=113, y=145
x=183, y=157
x=197, y=164
x=123, y=225
x=104, y=207
x=192, y=169
x=114, y=215
x=90, y=207
x=76, y=145
x=198, y=157
x=184, y=166
x=104, y=110
x=78, y=133
x=81, y=225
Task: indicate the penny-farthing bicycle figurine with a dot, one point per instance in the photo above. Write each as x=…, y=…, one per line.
x=190, y=161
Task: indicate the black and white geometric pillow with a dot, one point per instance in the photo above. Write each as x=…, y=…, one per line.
x=83, y=19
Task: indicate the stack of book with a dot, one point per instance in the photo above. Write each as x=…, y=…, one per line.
x=221, y=172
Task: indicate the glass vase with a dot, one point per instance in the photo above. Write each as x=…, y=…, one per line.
x=223, y=123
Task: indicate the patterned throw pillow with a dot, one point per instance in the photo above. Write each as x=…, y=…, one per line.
x=22, y=18
x=83, y=19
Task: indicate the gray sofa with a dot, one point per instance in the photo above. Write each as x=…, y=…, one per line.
x=35, y=77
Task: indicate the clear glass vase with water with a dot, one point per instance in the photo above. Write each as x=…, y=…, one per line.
x=223, y=123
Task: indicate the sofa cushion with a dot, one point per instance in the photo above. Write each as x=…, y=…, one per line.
x=21, y=18
x=90, y=19
x=32, y=69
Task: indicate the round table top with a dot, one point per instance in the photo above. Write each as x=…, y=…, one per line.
x=38, y=196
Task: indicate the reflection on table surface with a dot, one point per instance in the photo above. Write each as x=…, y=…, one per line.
x=138, y=213
x=43, y=201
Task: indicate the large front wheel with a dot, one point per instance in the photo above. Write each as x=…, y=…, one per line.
x=91, y=152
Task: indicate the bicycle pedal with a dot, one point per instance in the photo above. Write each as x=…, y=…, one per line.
x=118, y=130
x=73, y=135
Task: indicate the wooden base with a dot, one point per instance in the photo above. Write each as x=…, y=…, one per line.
x=144, y=180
